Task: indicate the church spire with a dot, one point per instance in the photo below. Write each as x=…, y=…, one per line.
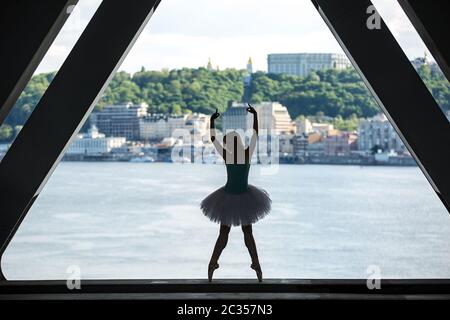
x=250, y=65
x=247, y=81
x=209, y=65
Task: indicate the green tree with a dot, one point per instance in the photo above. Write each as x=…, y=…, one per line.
x=6, y=133
x=340, y=94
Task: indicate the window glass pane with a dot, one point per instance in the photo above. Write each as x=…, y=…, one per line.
x=414, y=47
x=50, y=64
x=347, y=198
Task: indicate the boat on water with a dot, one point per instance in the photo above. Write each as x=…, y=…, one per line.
x=142, y=159
x=184, y=160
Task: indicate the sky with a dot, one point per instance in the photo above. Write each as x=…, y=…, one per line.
x=189, y=33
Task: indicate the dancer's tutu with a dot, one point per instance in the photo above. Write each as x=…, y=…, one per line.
x=234, y=209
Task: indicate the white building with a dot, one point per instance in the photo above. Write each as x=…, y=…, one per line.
x=274, y=117
x=377, y=131
x=301, y=64
x=198, y=124
x=94, y=143
x=305, y=126
x=160, y=126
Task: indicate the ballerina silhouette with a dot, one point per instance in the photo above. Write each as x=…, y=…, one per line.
x=238, y=203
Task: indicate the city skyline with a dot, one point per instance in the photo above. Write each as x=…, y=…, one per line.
x=129, y=133
x=176, y=36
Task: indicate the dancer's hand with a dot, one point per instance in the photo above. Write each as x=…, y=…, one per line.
x=251, y=109
x=215, y=115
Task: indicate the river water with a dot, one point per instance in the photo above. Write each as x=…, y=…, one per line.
x=142, y=220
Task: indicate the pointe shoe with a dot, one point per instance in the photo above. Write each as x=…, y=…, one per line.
x=211, y=269
x=257, y=268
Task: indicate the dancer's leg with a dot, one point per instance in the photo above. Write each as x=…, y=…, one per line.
x=221, y=243
x=251, y=246
x=250, y=242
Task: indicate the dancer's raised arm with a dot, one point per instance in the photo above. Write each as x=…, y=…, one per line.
x=251, y=148
x=212, y=133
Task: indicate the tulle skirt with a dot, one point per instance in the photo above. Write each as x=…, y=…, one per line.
x=236, y=209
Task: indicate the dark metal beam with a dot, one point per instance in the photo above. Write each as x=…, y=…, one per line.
x=223, y=288
x=65, y=106
x=431, y=20
x=396, y=86
x=27, y=29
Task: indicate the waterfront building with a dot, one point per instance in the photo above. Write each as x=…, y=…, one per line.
x=286, y=144
x=325, y=129
x=236, y=117
x=300, y=144
x=155, y=127
x=301, y=64
x=305, y=126
x=302, y=141
x=341, y=144
x=120, y=120
x=314, y=137
x=273, y=117
x=198, y=125
x=94, y=143
x=316, y=149
x=378, y=132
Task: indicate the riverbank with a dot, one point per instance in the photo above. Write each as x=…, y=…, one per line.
x=320, y=160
